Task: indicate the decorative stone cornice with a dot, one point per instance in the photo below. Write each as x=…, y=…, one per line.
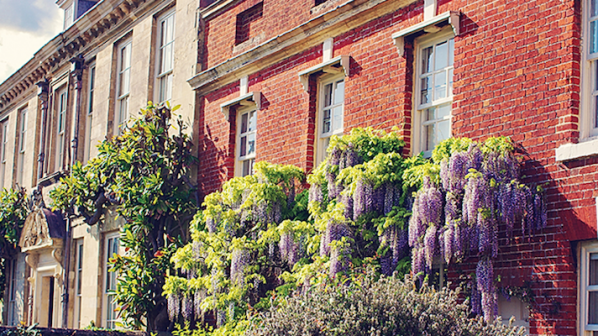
x=345, y=17
x=57, y=52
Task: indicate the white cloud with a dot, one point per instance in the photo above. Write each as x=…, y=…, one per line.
x=26, y=26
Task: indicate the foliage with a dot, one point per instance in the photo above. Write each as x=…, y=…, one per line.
x=21, y=330
x=143, y=173
x=369, y=207
x=367, y=306
x=13, y=212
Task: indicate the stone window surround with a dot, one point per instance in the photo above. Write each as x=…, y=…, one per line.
x=419, y=121
x=588, y=143
x=585, y=250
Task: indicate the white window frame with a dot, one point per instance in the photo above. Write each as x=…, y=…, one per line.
x=323, y=138
x=78, y=284
x=89, y=108
x=69, y=15
x=244, y=163
x=109, y=322
x=22, y=144
x=3, y=148
x=584, y=289
x=61, y=106
x=165, y=50
x=419, y=123
x=123, y=91
x=589, y=74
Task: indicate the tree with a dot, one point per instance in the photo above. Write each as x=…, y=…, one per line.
x=144, y=174
x=13, y=212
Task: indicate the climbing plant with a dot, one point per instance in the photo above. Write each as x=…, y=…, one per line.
x=457, y=211
x=144, y=175
x=367, y=206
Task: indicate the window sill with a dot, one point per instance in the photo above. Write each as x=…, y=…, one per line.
x=580, y=150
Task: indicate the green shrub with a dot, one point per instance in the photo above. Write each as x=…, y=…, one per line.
x=388, y=306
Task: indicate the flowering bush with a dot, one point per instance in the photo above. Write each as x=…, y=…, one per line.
x=367, y=306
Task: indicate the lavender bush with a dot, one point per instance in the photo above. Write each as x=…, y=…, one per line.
x=387, y=306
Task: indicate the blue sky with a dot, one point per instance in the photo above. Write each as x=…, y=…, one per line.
x=25, y=26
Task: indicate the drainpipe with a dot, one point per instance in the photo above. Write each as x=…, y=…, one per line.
x=76, y=73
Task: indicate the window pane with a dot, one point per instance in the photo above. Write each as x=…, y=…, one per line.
x=441, y=56
x=594, y=5
x=593, y=308
x=127, y=81
x=443, y=130
x=327, y=94
x=169, y=87
x=163, y=30
x=252, y=121
x=430, y=114
x=450, y=80
x=23, y=130
x=168, y=58
x=122, y=113
x=92, y=78
x=339, y=92
x=337, y=113
x=110, y=311
x=430, y=143
x=248, y=167
x=243, y=149
x=426, y=60
x=440, y=85
x=451, y=51
x=443, y=111
x=128, y=56
x=593, y=36
x=62, y=102
x=593, y=276
x=251, y=143
x=326, y=122
x=244, y=123
x=426, y=87
x=60, y=122
x=596, y=113
x=325, y=144
x=163, y=85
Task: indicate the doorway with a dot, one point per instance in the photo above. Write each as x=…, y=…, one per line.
x=47, y=302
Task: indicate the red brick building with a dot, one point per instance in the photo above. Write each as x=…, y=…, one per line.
x=278, y=78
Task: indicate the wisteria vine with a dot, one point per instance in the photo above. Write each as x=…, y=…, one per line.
x=479, y=190
x=264, y=236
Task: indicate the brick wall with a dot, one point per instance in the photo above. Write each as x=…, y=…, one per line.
x=278, y=17
x=517, y=74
